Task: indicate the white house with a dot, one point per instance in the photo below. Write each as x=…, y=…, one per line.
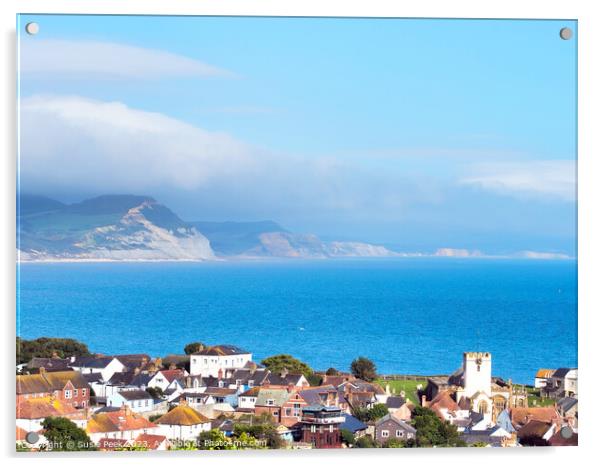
x=183, y=423
x=564, y=382
x=166, y=379
x=247, y=400
x=138, y=401
x=104, y=365
x=215, y=360
x=197, y=400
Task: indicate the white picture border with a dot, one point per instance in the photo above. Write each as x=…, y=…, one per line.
x=589, y=195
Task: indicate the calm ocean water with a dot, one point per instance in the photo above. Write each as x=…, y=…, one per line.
x=412, y=316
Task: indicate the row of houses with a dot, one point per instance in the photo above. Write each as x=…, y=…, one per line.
x=134, y=400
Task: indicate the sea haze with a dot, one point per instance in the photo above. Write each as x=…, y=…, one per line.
x=413, y=316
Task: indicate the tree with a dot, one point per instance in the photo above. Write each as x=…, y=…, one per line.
x=194, y=347
x=64, y=435
x=280, y=362
x=314, y=379
x=332, y=371
x=364, y=369
x=371, y=414
x=45, y=347
x=432, y=431
x=347, y=437
x=155, y=392
x=377, y=411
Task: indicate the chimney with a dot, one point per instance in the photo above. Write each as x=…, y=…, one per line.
x=172, y=366
x=42, y=370
x=219, y=374
x=55, y=355
x=284, y=372
x=424, y=401
x=136, y=370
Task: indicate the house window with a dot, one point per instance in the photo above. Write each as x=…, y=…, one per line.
x=75, y=392
x=251, y=383
x=331, y=428
x=288, y=411
x=83, y=392
x=270, y=402
x=312, y=429
x=275, y=413
x=67, y=394
x=399, y=433
x=384, y=433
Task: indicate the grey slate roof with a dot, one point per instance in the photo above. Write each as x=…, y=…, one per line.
x=288, y=379
x=394, y=402
x=92, y=362
x=404, y=425
x=561, y=372
x=50, y=364
x=131, y=395
x=94, y=377
x=566, y=403
x=471, y=437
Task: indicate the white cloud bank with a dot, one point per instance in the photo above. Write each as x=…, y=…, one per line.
x=89, y=144
x=108, y=60
x=554, y=179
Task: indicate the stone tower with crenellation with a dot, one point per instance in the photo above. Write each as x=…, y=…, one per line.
x=477, y=373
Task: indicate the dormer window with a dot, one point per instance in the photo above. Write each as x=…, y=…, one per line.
x=270, y=402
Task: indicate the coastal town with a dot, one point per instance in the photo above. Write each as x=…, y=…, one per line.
x=218, y=397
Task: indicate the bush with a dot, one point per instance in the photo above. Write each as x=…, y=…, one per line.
x=347, y=437
x=365, y=442
x=394, y=443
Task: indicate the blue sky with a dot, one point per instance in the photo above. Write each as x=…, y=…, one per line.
x=416, y=134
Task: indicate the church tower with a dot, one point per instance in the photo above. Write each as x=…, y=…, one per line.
x=477, y=373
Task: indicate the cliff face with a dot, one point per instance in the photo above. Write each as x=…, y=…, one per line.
x=126, y=227
x=109, y=228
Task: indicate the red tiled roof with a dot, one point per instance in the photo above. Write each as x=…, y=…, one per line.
x=443, y=400
x=172, y=374
x=152, y=442
x=40, y=408
x=117, y=421
x=520, y=416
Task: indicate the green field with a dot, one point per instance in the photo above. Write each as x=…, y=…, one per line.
x=410, y=387
x=536, y=400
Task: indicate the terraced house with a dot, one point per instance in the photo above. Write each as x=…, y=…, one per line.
x=70, y=387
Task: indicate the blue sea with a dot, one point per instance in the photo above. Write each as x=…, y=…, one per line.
x=410, y=316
